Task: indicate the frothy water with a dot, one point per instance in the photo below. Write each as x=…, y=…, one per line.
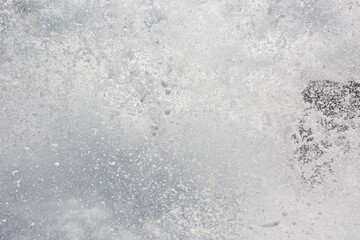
x=179, y=120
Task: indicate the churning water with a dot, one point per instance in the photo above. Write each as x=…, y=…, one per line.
x=191, y=119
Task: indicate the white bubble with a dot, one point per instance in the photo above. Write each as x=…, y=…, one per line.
x=54, y=146
x=154, y=126
x=156, y=234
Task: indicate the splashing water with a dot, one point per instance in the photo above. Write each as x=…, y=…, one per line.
x=200, y=119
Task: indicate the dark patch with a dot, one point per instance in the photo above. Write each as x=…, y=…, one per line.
x=318, y=134
x=334, y=99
